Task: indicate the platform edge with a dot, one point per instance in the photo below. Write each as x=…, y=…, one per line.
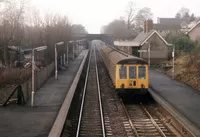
x=57, y=127
x=176, y=114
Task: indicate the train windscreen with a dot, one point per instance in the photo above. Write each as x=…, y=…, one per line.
x=142, y=72
x=123, y=72
x=132, y=72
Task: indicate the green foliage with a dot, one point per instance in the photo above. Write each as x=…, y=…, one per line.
x=182, y=42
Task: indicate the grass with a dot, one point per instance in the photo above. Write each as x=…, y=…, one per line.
x=186, y=71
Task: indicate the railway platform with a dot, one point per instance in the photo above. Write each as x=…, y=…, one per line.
x=25, y=121
x=183, y=98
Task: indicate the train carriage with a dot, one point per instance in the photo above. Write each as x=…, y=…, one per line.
x=128, y=73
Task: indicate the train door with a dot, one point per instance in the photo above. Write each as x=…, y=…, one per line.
x=142, y=76
x=132, y=76
x=121, y=76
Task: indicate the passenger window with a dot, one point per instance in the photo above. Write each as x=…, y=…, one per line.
x=142, y=72
x=132, y=72
x=122, y=71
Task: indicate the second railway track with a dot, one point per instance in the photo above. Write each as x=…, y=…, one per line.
x=146, y=121
x=139, y=118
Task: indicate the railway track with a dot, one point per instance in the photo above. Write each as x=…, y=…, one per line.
x=117, y=123
x=91, y=120
x=137, y=119
x=146, y=121
x=134, y=118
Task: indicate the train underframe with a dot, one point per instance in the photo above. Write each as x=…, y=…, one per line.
x=132, y=92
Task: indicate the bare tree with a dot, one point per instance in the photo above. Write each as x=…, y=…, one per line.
x=131, y=9
x=22, y=26
x=56, y=28
x=118, y=29
x=192, y=17
x=34, y=28
x=142, y=15
x=184, y=15
x=178, y=15
x=12, y=20
x=34, y=17
x=183, y=12
x=78, y=29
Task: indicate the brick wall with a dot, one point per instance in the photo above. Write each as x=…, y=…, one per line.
x=40, y=78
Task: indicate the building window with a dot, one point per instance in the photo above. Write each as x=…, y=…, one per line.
x=135, y=51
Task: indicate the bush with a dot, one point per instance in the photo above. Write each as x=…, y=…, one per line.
x=182, y=42
x=14, y=75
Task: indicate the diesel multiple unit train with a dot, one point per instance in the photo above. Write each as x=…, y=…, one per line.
x=128, y=73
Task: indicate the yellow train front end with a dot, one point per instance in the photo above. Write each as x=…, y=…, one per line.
x=132, y=78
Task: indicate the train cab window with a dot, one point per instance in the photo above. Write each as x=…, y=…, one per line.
x=132, y=72
x=123, y=73
x=142, y=72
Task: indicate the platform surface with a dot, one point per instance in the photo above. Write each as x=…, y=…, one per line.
x=182, y=97
x=24, y=121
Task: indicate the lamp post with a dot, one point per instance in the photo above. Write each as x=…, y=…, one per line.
x=173, y=59
x=64, y=59
x=73, y=49
x=61, y=60
x=149, y=54
x=67, y=53
x=79, y=47
x=33, y=71
x=72, y=43
x=173, y=53
x=56, y=56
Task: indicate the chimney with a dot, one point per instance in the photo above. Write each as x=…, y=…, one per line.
x=158, y=20
x=144, y=26
x=149, y=25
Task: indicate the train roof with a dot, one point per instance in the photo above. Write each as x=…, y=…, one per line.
x=132, y=60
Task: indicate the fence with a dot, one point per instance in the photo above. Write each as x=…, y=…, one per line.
x=40, y=78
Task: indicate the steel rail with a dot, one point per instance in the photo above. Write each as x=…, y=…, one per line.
x=83, y=98
x=153, y=121
x=99, y=94
x=129, y=119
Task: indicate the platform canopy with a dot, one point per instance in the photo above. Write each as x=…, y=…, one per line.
x=140, y=40
x=127, y=43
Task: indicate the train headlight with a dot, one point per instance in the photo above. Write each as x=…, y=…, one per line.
x=142, y=86
x=122, y=85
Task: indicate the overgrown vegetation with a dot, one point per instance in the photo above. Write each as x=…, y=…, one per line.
x=187, y=61
x=183, y=43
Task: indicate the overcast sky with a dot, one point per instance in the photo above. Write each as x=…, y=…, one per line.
x=93, y=14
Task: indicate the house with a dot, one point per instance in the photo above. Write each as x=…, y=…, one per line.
x=164, y=29
x=194, y=32
x=165, y=26
x=173, y=25
x=174, y=21
x=166, y=21
x=160, y=49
